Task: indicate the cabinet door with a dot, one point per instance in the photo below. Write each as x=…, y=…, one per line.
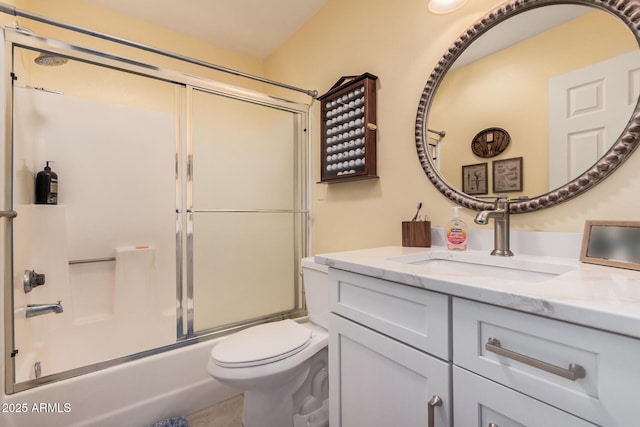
x=483, y=403
x=376, y=381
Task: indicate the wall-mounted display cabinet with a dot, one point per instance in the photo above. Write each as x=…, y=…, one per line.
x=348, y=130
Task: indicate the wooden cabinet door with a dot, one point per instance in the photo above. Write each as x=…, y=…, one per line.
x=376, y=381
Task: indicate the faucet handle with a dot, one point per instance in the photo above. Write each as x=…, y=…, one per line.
x=498, y=198
x=504, y=197
x=31, y=279
x=502, y=201
x=493, y=196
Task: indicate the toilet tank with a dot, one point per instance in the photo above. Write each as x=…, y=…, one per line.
x=316, y=287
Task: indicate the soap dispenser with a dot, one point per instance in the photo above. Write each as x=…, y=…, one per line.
x=456, y=232
x=47, y=186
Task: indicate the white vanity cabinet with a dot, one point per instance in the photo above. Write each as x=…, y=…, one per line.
x=394, y=347
x=529, y=359
x=389, y=351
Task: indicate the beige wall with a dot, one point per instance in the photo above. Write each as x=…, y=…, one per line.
x=400, y=42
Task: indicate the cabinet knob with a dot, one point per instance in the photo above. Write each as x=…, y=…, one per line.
x=435, y=401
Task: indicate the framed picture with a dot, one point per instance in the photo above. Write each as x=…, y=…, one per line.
x=474, y=179
x=507, y=175
x=611, y=243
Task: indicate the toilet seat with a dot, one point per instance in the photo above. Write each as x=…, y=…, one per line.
x=261, y=344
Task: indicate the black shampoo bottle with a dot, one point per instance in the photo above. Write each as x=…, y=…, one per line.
x=47, y=187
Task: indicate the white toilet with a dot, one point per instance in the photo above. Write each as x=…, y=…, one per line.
x=282, y=366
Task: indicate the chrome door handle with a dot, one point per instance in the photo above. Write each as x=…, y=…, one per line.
x=574, y=371
x=8, y=214
x=435, y=401
x=493, y=425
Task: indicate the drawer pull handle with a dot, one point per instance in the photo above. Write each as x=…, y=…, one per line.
x=574, y=371
x=493, y=425
x=435, y=401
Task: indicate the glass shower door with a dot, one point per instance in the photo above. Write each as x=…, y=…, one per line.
x=248, y=213
x=107, y=248
x=173, y=203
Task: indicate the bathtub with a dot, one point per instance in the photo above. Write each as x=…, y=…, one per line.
x=133, y=394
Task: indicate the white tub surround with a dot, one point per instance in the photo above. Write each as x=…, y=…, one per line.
x=136, y=393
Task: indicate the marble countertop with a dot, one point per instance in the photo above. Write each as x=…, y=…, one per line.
x=602, y=297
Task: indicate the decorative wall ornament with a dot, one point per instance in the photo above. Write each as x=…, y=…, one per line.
x=490, y=142
x=474, y=179
x=507, y=175
x=348, y=130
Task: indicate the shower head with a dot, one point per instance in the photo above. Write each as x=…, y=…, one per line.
x=50, y=60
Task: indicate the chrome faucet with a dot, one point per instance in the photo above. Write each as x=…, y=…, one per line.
x=500, y=215
x=40, y=309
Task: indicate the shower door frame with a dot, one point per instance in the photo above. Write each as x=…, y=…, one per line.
x=185, y=334
x=301, y=195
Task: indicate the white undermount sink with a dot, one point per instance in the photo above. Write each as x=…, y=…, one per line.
x=485, y=266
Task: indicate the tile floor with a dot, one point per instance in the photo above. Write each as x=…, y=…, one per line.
x=224, y=414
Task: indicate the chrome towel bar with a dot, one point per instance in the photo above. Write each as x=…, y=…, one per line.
x=91, y=260
x=192, y=210
x=8, y=214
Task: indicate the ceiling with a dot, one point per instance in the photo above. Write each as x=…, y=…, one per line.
x=258, y=27
x=520, y=28
x=252, y=27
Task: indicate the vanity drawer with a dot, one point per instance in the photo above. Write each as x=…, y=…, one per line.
x=533, y=355
x=411, y=315
x=480, y=402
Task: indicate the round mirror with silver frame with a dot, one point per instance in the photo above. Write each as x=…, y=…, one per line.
x=627, y=11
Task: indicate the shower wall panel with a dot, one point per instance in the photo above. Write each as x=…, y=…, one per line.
x=116, y=199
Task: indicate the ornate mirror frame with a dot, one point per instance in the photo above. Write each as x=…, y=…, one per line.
x=628, y=11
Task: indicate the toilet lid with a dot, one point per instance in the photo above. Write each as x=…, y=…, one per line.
x=261, y=344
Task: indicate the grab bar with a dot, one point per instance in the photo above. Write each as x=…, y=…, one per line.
x=440, y=133
x=91, y=260
x=193, y=210
x=8, y=214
